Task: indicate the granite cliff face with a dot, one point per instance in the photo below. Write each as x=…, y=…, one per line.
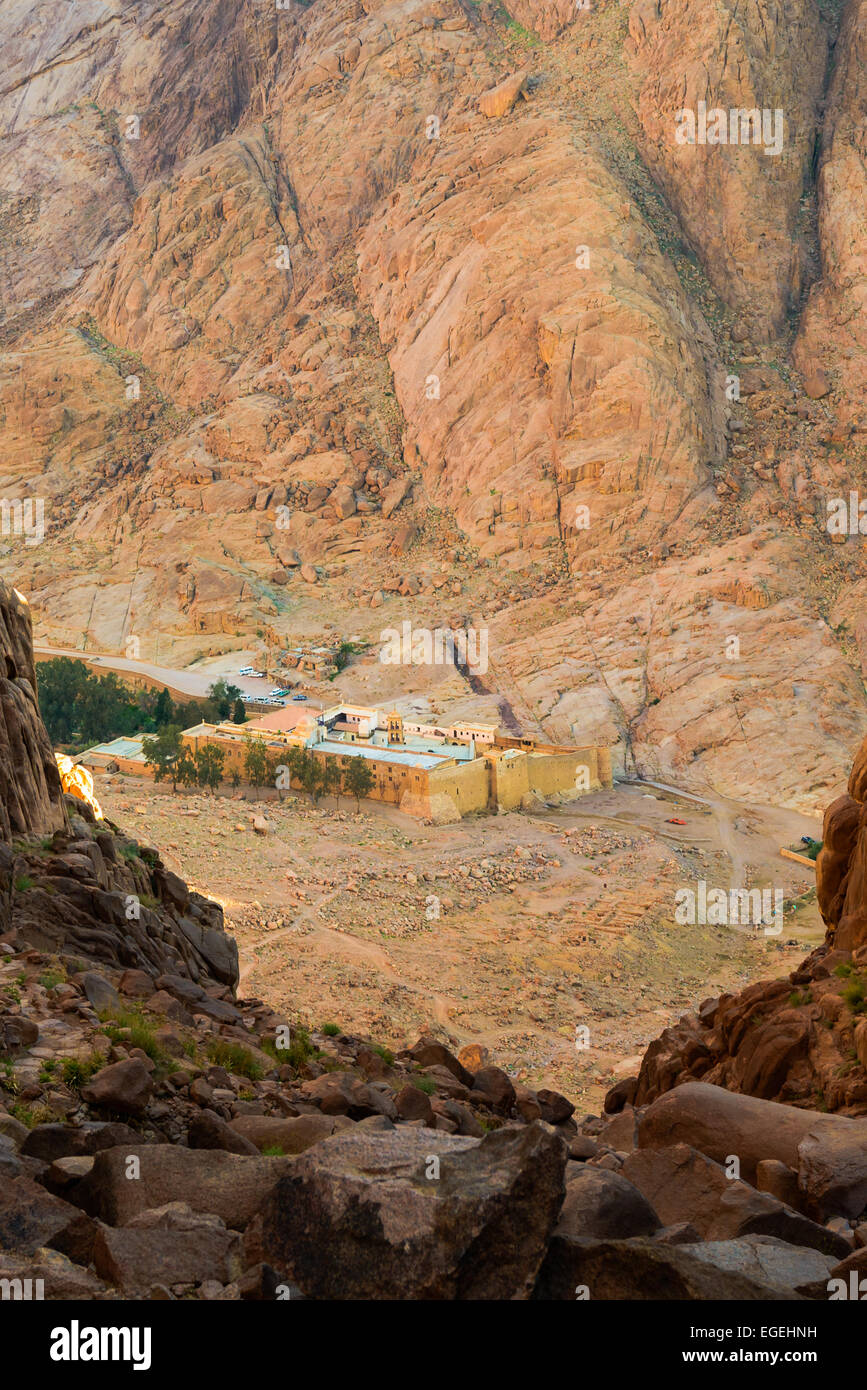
x=841, y=868
x=440, y=282
x=30, y=791
x=75, y=887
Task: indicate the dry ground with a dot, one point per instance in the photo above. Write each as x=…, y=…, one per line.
x=511, y=931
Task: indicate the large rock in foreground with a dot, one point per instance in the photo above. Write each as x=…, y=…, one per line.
x=721, y=1123
x=638, y=1269
x=683, y=1185
x=417, y=1214
x=232, y=1186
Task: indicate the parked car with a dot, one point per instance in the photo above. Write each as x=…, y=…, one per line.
x=260, y=675
x=244, y=670
x=299, y=697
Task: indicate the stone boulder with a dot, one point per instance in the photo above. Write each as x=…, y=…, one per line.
x=722, y=1123
x=493, y=1087
x=427, y=1052
x=207, y=1130
x=642, y=1270
x=292, y=1135
x=233, y=1186
x=832, y=1171
x=766, y=1260
x=52, y=1141
x=604, y=1205
x=682, y=1184
x=101, y=993
x=341, y=1093
x=134, y=1259
x=124, y=1086
x=61, y=1277
x=30, y=1217
x=417, y=1214
x=500, y=99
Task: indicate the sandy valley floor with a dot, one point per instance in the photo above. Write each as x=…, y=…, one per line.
x=511, y=931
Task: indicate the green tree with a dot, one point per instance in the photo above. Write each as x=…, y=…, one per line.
x=80, y=707
x=163, y=709
x=60, y=682
x=333, y=778
x=210, y=759
x=308, y=770
x=316, y=777
x=187, y=771
x=284, y=771
x=76, y=704
x=258, y=763
x=164, y=753
x=359, y=779
x=105, y=709
x=221, y=698
x=296, y=761
x=344, y=652
x=239, y=714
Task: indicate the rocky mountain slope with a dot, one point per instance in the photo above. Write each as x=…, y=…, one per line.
x=30, y=792
x=418, y=309
x=161, y=1138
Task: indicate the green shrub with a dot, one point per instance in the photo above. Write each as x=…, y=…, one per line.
x=424, y=1083
x=299, y=1051
x=32, y=1115
x=235, y=1058
x=525, y=36
x=128, y=1026
x=49, y=978
x=23, y=883
x=274, y=1151
x=75, y=1072
x=331, y=1030
x=854, y=995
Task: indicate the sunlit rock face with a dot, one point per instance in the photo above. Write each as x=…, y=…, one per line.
x=442, y=283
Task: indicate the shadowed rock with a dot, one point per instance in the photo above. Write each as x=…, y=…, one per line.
x=641, y=1270
x=417, y=1214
